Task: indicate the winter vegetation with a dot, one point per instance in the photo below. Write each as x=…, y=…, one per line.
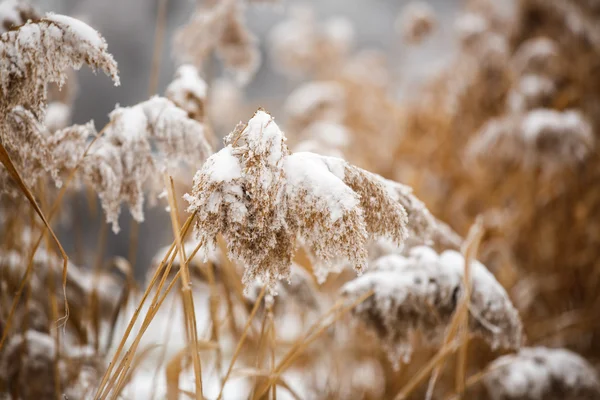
x=351, y=243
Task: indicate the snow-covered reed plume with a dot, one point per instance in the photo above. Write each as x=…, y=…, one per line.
x=123, y=160
x=325, y=138
x=39, y=52
x=31, y=56
x=34, y=353
x=423, y=228
x=420, y=293
x=537, y=373
x=541, y=138
x=220, y=28
x=36, y=150
x=68, y=144
x=300, y=45
x=23, y=137
x=80, y=282
x=316, y=101
x=266, y=201
x=188, y=92
x=538, y=56
x=416, y=21
x=14, y=13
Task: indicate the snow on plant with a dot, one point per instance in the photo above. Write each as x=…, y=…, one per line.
x=537, y=373
x=266, y=202
x=541, y=138
x=123, y=160
x=34, y=353
x=416, y=21
x=188, y=92
x=316, y=101
x=220, y=27
x=36, y=150
x=31, y=56
x=14, y=13
x=39, y=52
x=300, y=45
x=420, y=293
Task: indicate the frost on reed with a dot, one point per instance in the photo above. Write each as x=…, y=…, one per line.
x=29, y=368
x=423, y=228
x=416, y=22
x=14, y=13
x=266, y=202
x=219, y=27
x=188, y=92
x=316, y=101
x=537, y=373
x=39, y=52
x=36, y=150
x=138, y=144
x=301, y=46
x=420, y=292
x=541, y=138
x=32, y=56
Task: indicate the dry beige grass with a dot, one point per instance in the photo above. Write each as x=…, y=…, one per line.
x=262, y=301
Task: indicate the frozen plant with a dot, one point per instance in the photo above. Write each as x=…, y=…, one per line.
x=39, y=52
x=31, y=56
x=123, y=160
x=420, y=293
x=416, y=21
x=541, y=138
x=34, y=353
x=316, y=101
x=266, y=202
x=188, y=92
x=537, y=373
x=14, y=13
x=300, y=45
x=219, y=27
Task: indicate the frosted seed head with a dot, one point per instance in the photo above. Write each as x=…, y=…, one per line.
x=266, y=201
x=542, y=373
x=419, y=293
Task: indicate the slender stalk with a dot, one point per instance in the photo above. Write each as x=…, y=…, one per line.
x=51, y=214
x=168, y=255
x=238, y=348
x=186, y=289
x=313, y=333
x=470, y=249
x=424, y=372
